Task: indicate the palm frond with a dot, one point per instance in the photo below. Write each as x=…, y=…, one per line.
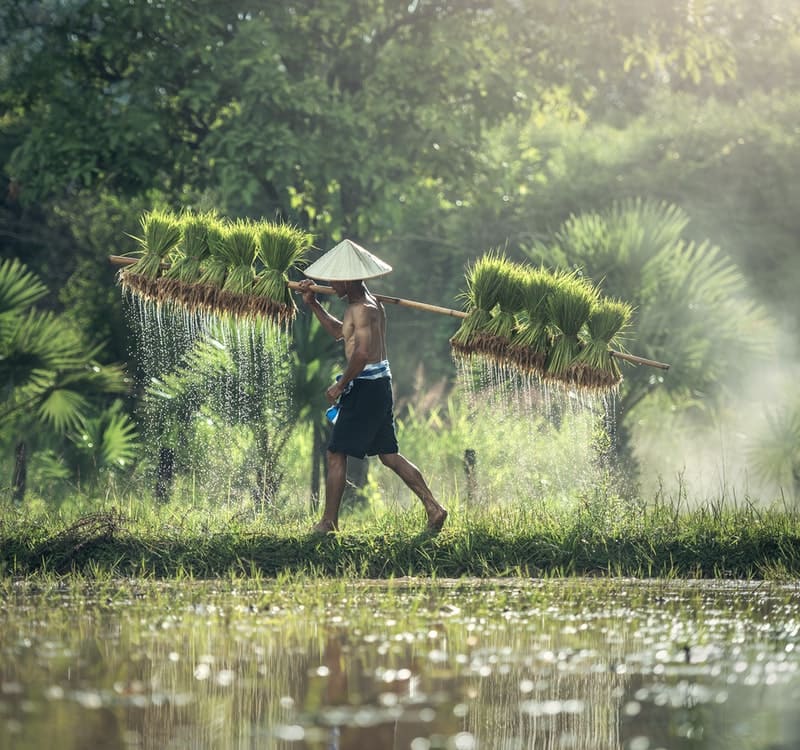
x=19, y=287
x=41, y=340
x=109, y=439
x=62, y=409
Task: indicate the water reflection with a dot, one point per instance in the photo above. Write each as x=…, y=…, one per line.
x=580, y=665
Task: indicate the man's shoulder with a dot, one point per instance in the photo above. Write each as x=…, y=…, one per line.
x=363, y=308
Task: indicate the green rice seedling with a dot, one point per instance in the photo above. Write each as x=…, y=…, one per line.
x=238, y=248
x=214, y=268
x=530, y=341
x=486, y=285
x=161, y=233
x=180, y=282
x=511, y=301
x=462, y=340
x=281, y=247
x=607, y=320
x=194, y=247
x=568, y=305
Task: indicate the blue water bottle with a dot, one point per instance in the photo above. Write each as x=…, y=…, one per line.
x=332, y=412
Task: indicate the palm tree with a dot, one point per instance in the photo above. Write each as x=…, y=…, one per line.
x=692, y=305
x=53, y=385
x=776, y=455
x=234, y=378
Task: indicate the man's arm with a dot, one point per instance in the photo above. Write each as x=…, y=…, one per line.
x=332, y=325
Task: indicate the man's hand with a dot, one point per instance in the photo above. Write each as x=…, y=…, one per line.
x=333, y=393
x=305, y=290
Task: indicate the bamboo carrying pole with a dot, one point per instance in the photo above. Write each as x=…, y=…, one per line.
x=121, y=260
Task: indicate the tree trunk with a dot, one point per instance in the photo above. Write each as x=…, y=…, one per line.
x=20, y=480
x=470, y=471
x=317, y=459
x=165, y=473
x=357, y=473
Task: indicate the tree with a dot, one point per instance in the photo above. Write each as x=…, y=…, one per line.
x=54, y=388
x=220, y=408
x=693, y=308
x=776, y=452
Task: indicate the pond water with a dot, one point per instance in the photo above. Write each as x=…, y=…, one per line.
x=413, y=664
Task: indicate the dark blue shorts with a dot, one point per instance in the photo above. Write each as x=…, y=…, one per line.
x=365, y=425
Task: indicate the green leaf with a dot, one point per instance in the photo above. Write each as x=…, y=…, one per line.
x=19, y=288
x=63, y=409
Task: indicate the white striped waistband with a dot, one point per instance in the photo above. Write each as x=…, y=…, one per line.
x=375, y=371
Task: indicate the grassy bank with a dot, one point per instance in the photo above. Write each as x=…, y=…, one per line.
x=601, y=536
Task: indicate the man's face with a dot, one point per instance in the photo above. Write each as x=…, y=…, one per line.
x=340, y=288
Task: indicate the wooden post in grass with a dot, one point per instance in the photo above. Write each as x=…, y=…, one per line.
x=165, y=473
x=470, y=471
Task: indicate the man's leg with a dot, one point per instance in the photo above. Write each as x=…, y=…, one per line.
x=413, y=478
x=334, y=489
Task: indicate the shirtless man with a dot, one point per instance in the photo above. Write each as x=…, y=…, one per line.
x=365, y=422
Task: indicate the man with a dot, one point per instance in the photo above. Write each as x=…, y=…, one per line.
x=364, y=424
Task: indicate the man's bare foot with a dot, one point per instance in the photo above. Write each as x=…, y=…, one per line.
x=323, y=528
x=436, y=520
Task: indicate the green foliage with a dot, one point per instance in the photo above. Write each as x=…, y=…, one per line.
x=120, y=537
x=53, y=384
x=776, y=455
x=19, y=289
x=107, y=440
x=430, y=130
x=222, y=409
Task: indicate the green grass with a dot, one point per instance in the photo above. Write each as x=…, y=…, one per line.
x=600, y=536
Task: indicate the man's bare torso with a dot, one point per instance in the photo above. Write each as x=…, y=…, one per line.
x=365, y=320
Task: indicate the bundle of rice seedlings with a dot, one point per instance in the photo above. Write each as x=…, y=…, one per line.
x=161, y=233
x=530, y=341
x=214, y=268
x=486, y=281
x=281, y=247
x=235, y=249
x=568, y=307
x=193, y=247
x=607, y=321
x=238, y=249
x=496, y=338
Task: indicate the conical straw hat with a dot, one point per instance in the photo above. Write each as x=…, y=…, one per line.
x=347, y=262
